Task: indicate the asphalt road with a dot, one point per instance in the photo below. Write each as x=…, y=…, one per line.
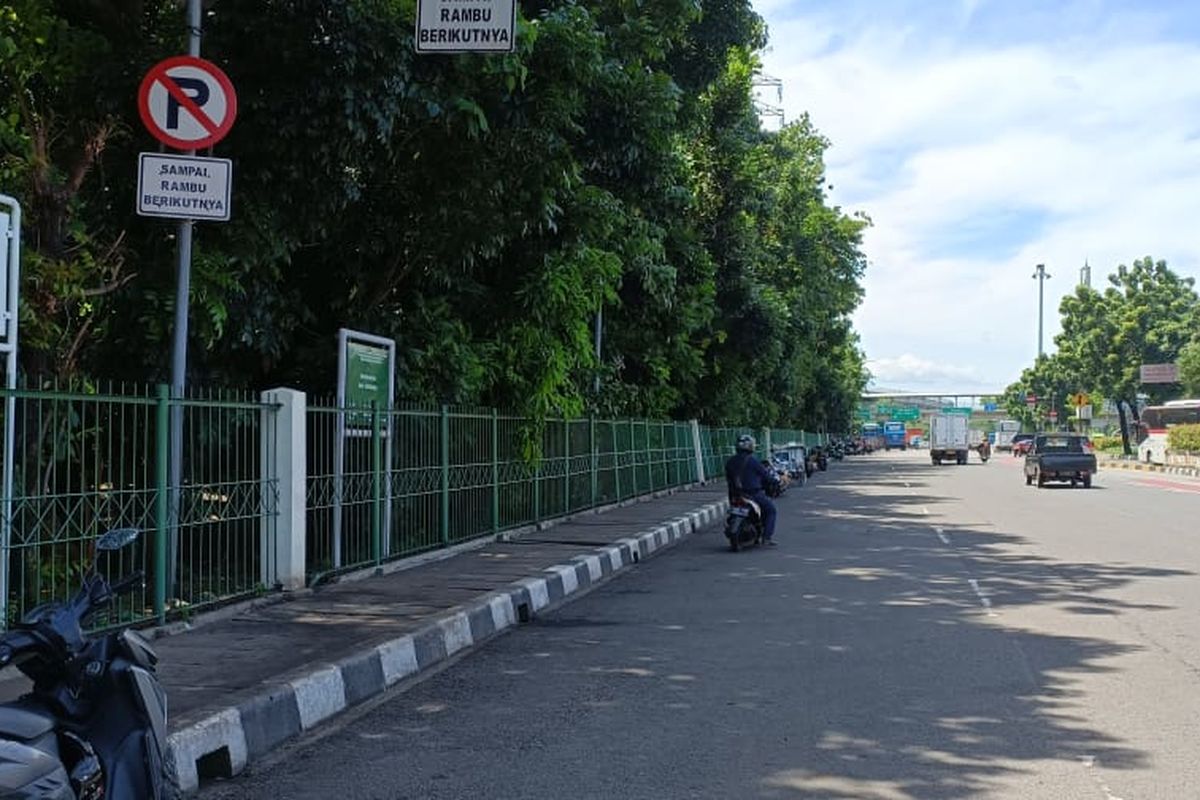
x=920, y=632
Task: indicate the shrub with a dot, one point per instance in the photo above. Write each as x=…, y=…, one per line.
x=1184, y=439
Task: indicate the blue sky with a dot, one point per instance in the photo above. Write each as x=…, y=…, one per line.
x=984, y=137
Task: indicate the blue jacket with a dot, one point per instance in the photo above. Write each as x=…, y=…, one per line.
x=745, y=474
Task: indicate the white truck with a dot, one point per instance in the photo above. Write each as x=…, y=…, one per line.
x=1006, y=429
x=948, y=438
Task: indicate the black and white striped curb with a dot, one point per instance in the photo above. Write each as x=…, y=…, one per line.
x=223, y=743
x=1139, y=466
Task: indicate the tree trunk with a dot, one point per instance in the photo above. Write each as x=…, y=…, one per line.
x=1124, y=427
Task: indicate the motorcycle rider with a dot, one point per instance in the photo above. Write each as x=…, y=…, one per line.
x=745, y=475
x=985, y=448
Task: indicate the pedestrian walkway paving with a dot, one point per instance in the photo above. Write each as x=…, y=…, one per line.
x=242, y=686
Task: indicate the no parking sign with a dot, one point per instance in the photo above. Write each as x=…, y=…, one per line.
x=187, y=103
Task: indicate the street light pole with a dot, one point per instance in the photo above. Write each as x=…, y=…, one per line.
x=1040, y=276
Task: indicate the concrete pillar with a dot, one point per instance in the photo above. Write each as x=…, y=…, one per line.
x=699, y=451
x=285, y=461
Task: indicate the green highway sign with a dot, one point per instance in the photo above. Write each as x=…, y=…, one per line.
x=906, y=414
x=966, y=412
x=862, y=412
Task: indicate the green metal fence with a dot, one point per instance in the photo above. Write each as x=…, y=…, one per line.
x=717, y=443
x=87, y=461
x=388, y=484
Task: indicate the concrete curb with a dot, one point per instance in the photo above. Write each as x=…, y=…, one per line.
x=223, y=743
x=1139, y=466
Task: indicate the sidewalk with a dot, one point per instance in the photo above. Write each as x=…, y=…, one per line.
x=240, y=687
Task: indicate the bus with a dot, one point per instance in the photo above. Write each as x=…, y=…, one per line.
x=1157, y=420
x=873, y=435
x=894, y=435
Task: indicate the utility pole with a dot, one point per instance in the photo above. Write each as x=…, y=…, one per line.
x=1040, y=276
x=179, y=344
x=1085, y=275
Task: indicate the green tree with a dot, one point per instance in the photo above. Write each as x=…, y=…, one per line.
x=1145, y=316
x=1189, y=368
x=1051, y=380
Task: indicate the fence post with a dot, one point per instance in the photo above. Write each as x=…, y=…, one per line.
x=698, y=451
x=162, y=433
x=445, y=437
x=616, y=461
x=285, y=469
x=566, y=466
x=495, y=471
x=633, y=456
x=537, y=484
x=595, y=458
x=376, y=485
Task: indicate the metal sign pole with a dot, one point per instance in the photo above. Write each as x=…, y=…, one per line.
x=179, y=345
x=12, y=233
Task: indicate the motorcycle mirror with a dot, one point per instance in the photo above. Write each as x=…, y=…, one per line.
x=117, y=538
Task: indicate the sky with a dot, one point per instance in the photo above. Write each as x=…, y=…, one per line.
x=984, y=137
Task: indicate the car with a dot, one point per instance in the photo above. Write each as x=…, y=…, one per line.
x=1060, y=457
x=1021, y=443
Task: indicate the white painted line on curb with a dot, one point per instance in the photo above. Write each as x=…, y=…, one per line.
x=221, y=730
x=614, y=558
x=319, y=696
x=593, y=565
x=503, y=614
x=399, y=659
x=456, y=633
x=987, y=604
x=570, y=579
x=539, y=595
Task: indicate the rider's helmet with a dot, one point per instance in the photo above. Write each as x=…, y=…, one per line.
x=746, y=443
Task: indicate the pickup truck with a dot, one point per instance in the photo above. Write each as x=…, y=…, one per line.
x=1060, y=457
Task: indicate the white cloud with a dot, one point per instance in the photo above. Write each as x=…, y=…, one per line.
x=912, y=371
x=980, y=156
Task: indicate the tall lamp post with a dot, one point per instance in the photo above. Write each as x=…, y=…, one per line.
x=1040, y=276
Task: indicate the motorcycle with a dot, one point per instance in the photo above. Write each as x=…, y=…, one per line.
x=819, y=458
x=95, y=724
x=743, y=523
x=985, y=452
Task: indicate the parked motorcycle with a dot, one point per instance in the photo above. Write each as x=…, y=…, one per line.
x=743, y=523
x=95, y=724
x=819, y=458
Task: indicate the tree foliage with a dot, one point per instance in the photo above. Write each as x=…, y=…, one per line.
x=1146, y=315
x=479, y=209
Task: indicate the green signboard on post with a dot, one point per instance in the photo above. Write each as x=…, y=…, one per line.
x=966, y=412
x=366, y=370
x=906, y=414
x=368, y=375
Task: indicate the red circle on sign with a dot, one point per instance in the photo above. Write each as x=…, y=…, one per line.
x=216, y=131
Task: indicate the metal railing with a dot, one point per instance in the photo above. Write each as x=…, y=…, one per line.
x=408, y=480
x=85, y=461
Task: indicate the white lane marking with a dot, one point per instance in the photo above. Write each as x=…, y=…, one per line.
x=987, y=604
x=941, y=532
x=925, y=510
x=907, y=485
x=1089, y=762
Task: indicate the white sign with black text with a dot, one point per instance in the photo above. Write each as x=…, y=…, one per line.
x=184, y=187
x=465, y=26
